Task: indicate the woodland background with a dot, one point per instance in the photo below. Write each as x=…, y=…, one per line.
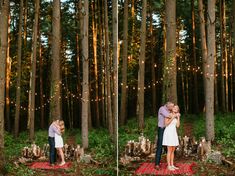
x=79, y=61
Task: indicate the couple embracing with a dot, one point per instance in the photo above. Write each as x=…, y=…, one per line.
x=168, y=120
x=56, y=143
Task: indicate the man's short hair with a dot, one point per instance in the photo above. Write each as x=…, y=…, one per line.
x=168, y=103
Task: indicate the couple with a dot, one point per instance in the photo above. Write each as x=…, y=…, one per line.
x=55, y=140
x=168, y=120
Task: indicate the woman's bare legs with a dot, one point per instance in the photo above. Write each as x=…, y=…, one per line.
x=61, y=156
x=172, y=156
x=168, y=156
x=170, y=149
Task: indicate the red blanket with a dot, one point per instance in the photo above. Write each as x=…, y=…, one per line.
x=148, y=168
x=46, y=165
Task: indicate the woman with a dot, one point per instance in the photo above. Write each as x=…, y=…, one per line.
x=59, y=142
x=170, y=137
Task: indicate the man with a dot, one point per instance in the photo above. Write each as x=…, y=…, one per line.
x=51, y=139
x=164, y=112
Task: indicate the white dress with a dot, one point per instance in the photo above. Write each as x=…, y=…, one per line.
x=58, y=141
x=170, y=137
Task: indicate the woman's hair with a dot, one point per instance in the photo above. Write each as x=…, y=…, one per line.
x=177, y=107
x=62, y=127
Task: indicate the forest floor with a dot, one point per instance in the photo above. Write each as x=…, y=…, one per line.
x=200, y=169
x=77, y=169
x=100, y=149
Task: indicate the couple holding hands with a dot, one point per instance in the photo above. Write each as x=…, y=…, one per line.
x=55, y=140
x=168, y=120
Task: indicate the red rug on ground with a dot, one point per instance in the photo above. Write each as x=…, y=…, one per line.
x=46, y=165
x=148, y=168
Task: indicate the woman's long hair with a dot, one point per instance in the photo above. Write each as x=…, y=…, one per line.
x=62, y=127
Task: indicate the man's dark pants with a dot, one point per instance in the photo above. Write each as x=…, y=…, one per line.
x=52, y=156
x=159, y=145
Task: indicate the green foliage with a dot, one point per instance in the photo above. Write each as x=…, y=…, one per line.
x=13, y=146
x=101, y=148
x=199, y=126
x=22, y=170
x=130, y=131
x=95, y=171
x=100, y=143
x=224, y=131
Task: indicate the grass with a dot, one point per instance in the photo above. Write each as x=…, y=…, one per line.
x=101, y=149
x=224, y=131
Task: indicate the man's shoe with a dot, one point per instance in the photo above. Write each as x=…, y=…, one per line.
x=157, y=167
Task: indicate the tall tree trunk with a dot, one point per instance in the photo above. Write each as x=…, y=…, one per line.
x=163, y=98
x=79, y=24
x=85, y=84
x=42, y=109
x=25, y=24
x=31, y=108
x=101, y=34
x=67, y=97
x=4, y=14
x=108, y=69
x=72, y=111
x=89, y=114
x=8, y=78
x=222, y=43
x=187, y=80
x=115, y=70
x=210, y=62
x=203, y=39
x=230, y=57
x=233, y=52
x=153, y=65
x=170, y=66
x=183, y=87
x=94, y=29
x=132, y=27
x=124, y=65
x=225, y=54
x=18, y=82
x=195, y=89
x=182, y=76
x=216, y=104
x=141, y=73
x=55, y=104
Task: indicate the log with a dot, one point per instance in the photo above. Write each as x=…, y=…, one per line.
x=227, y=162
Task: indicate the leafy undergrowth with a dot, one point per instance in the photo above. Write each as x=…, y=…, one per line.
x=101, y=149
x=224, y=141
x=224, y=132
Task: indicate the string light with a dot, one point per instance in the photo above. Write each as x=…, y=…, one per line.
x=194, y=69
x=47, y=102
